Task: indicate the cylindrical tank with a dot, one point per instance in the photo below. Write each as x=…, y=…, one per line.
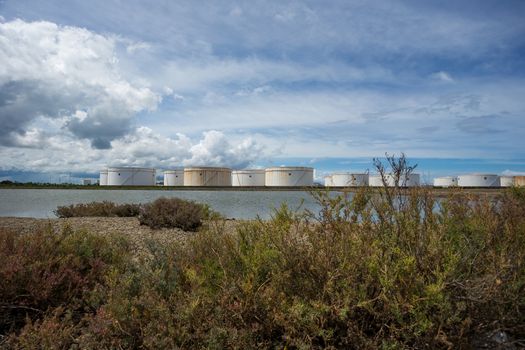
x=375, y=181
x=519, y=180
x=349, y=179
x=103, y=181
x=328, y=182
x=174, y=177
x=506, y=181
x=289, y=176
x=207, y=176
x=446, y=181
x=404, y=181
x=129, y=176
x=248, y=177
x=478, y=180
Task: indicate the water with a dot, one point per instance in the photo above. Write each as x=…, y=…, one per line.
x=40, y=203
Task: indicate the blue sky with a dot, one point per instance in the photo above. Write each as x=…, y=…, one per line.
x=86, y=84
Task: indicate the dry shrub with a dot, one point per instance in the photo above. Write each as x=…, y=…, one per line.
x=173, y=213
x=102, y=209
x=43, y=270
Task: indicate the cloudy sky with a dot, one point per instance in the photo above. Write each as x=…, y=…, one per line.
x=330, y=84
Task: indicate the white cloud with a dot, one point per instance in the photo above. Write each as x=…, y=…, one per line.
x=442, y=76
x=54, y=71
x=142, y=147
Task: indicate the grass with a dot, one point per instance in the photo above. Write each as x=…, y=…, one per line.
x=394, y=269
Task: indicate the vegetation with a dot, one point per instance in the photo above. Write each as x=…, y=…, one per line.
x=105, y=208
x=174, y=212
x=390, y=270
x=163, y=212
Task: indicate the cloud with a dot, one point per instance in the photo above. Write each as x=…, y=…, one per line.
x=140, y=147
x=56, y=72
x=442, y=76
x=485, y=124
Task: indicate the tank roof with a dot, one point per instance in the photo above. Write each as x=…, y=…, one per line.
x=129, y=168
x=287, y=168
x=192, y=168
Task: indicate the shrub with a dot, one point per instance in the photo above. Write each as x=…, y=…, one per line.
x=173, y=212
x=43, y=270
x=104, y=209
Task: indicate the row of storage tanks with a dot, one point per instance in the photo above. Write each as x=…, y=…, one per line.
x=210, y=176
x=288, y=177
x=364, y=179
x=479, y=180
x=468, y=180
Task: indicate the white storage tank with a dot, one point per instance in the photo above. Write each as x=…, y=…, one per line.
x=404, y=181
x=445, y=181
x=130, y=176
x=478, y=180
x=248, y=177
x=349, y=179
x=506, y=181
x=207, y=176
x=375, y=181
x=174, y=177
x=328, y=182
x=103, y=181
x=289, y=176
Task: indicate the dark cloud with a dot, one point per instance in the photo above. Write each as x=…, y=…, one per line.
x=486, y=124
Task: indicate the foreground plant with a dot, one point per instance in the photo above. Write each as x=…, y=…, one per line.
x=370, y=270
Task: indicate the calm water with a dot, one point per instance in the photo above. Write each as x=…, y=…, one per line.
x=40, y=203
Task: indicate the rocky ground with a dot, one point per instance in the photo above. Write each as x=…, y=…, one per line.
x=138, y=234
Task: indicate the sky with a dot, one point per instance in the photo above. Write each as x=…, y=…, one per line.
x=329, y=84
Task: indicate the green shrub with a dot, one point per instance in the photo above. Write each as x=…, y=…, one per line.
x=173, y=212
x=104, y=209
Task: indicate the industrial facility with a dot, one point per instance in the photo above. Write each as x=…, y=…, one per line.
x=207, y=176
x=289, y=176
x=478, y=180
x=103, y=180
x=506, y=181
x=349, y=179
x=446, y=181
x=248, y=178
x=174, y=177
x=130, y=176
x=404, y=181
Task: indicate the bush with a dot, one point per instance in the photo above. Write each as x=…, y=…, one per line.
x=173, y=212
x=43, y=270
x=103, y=209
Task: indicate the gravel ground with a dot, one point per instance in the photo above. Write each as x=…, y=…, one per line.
x=138, y=234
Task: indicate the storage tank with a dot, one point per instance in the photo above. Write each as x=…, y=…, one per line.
x=130, y=176
x=375, y=181
x=478, y=180
x=404, y=181
x=349, y=179
x=207, y=176
x=289, y=176
x=103, y=181
x=174, y=177
x=446, y=181
x=248, y=177
x=519, y=180
x=506, y=181
x=328, y=182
